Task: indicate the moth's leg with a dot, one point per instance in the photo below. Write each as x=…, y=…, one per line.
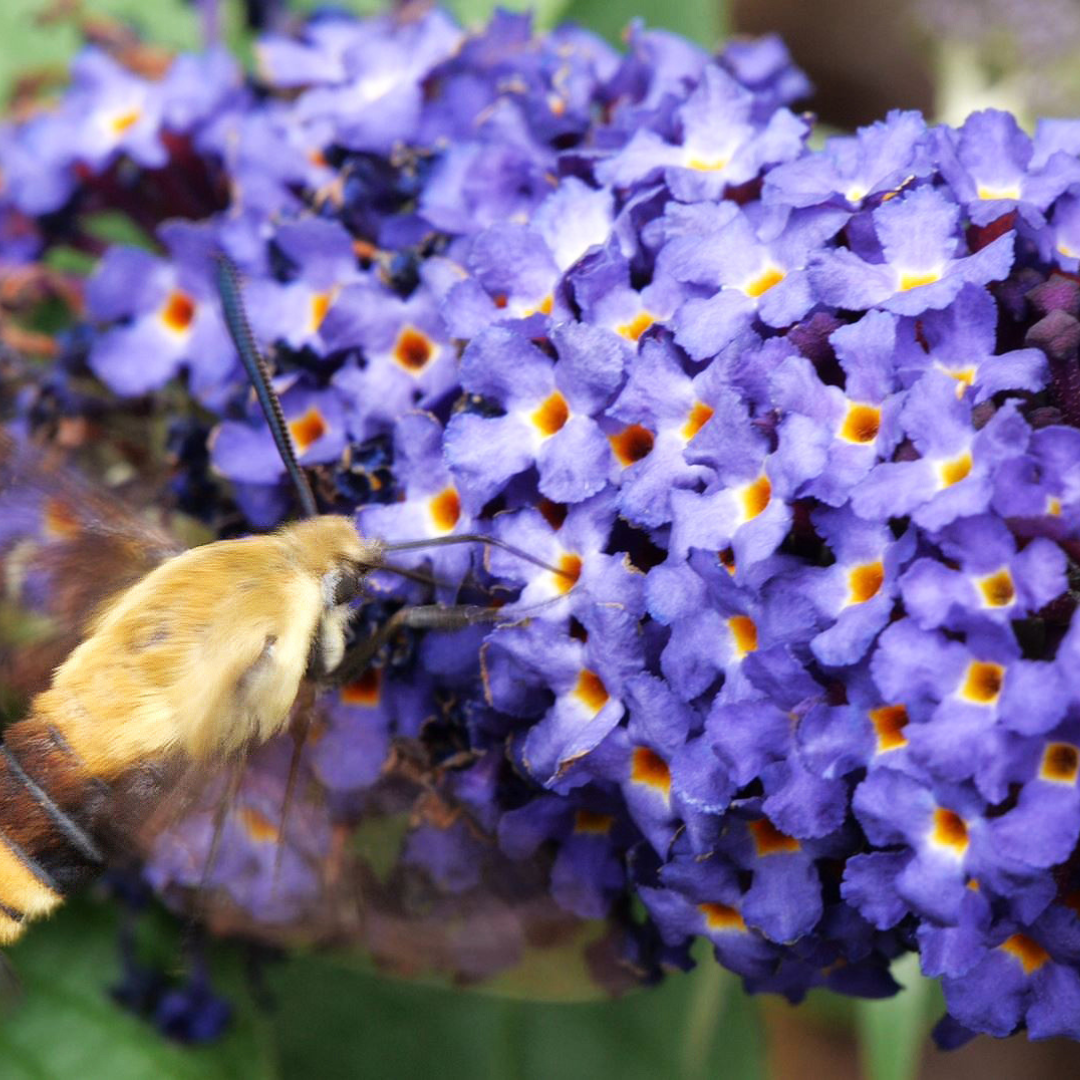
x=299, y=732
x=444, y=617
x=221, y=812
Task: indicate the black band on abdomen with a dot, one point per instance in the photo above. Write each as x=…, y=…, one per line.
x=71, y=831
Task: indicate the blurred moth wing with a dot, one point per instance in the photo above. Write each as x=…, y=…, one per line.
x=86, y=543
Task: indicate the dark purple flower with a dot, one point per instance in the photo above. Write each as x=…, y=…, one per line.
x=1018, y=979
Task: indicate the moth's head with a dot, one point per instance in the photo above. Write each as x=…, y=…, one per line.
x=330, y=549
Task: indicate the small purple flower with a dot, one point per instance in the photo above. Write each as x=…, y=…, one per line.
x=949, y=842
x=165, y=317
x=920, y=263
x=1063, y=233
x=719, y=144
x=316, y=421
x=746, y=507
x=765, y=67
x=661, y=412
x=322, y=262
x=1043, y=828
x=113, y=112
x=1038, y=492
x=705, y=899
x=365, y=77
x=992, y=581
x=570, y=540
x=1021, y=977
x=548, y=418
x=960, y=341
x=877, y=160
x=856, y=594
x=750, y=273
x=404, y=360
x=843, y=433
x=586, y=681
x=953, y=477
x=273, y=876
x=988, y=163
x=432, y=506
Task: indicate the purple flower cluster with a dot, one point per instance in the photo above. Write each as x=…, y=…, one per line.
x=800, y=429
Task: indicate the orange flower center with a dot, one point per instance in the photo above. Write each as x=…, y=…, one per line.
x=178, y=311
x=632, y=444
x=363, y=691
x=413, y=349
x=763, y=282
x=593, y=823
x=743, y=633
x=258, y=826
x=570, y=570
x=722, y=917
x=998, y=589
x=950, y=831
x=983, y=682
x=769, y=840
x=889, y=722
x=700, y=414
x=552, y=414
x=445, y=509
x=308, y=429
x=649, y=768
x=864, y=582
x=862, y=424
x=1060, y=763
x=1030, y=953
x=756, y=496
x=590, y=691
x=636, y=326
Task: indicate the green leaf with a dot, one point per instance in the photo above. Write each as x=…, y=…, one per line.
x=703, y=21
x=892, y=1032
x=546, y=13
x=69, y=260
x=65, y=1024
x=336, y=1022
x=114, y=227
x=29, y=46
x=174, y=24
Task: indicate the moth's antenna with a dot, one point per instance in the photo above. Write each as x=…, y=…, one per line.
x=232, y=306
x=478, y=538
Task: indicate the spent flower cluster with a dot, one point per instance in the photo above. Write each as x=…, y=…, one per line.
x=800, y=428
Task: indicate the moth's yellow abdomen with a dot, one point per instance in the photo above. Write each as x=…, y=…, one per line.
x=23, y=894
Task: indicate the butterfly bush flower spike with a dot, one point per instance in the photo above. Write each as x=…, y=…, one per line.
x=794, y=434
